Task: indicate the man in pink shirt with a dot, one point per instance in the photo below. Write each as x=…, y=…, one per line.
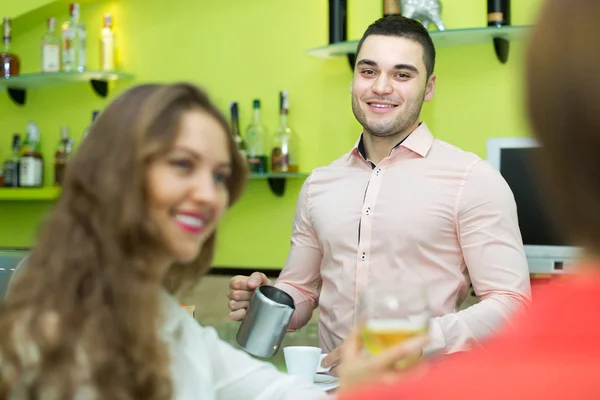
x=401, y=206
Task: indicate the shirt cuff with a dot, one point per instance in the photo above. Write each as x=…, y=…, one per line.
x=437, y=341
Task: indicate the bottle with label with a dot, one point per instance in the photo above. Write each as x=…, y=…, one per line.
x=73, y=42
x=12, y=165
x=10, y=63
x=107, y=45
x=87, y=130
x=255, y=141
x=31, y=171
x=391, y=7
x=62, y=155
x=51, y=48
x=283, y=152
x=240, y=143
x=498, y=12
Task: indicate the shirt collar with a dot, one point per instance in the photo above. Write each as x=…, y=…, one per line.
x=419, y=141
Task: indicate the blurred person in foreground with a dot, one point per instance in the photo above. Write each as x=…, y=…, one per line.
x=551, y=351
x=90, y=316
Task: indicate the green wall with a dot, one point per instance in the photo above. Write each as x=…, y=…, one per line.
x=239, y=50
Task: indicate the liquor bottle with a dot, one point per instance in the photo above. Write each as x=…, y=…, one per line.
x=240, y=143
x=31, y=171
x=498, y=12
x=107, y=45
x=10, y=63
x=338, y=21
x=11, y=166
x=283, y=152
x=255, y=140
x=73, y=42
x=86, y=132
x=62, y=155
x=391, y=7
x=51, y=48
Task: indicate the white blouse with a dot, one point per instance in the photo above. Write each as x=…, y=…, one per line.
x=207, y=368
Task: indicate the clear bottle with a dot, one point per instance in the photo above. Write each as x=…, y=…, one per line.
x=10, y=63
x=11, y=166
x=73, y=42
x=51, y=48
x=31, y=171
x=107, y=45
x=240, y=143
x=86, y=132
x=255, y=141
x=283, y=152
x=62, y=155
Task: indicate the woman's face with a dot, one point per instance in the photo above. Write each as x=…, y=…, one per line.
x=187, y=186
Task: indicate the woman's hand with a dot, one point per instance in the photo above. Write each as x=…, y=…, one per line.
x=358, y=368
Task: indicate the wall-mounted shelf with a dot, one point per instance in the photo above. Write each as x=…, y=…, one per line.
x=17, y=86
x=441, y=39
x=29, y=194
x=277, y=180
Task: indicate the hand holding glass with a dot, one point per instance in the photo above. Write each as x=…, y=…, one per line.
x=390, y=315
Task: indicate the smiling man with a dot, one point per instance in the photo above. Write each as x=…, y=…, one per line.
x=401, y=206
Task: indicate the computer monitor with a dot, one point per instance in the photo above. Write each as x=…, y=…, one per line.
x=546, y=249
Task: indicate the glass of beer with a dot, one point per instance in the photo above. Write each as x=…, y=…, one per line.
x=390, y=315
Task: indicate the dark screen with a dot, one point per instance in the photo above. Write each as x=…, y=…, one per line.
x=519, y=168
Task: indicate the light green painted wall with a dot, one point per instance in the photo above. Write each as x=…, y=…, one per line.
x=16, y=8
x=242, y=49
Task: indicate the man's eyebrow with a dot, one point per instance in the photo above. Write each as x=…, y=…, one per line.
x=408, y=67
x=372, y=63
x=365, y=61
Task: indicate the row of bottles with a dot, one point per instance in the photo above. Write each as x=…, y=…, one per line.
x=63, y=50
x=25, y=165
x=282, y=153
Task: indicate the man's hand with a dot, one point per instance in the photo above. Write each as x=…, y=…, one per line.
x=356, y=367
x=240, y=292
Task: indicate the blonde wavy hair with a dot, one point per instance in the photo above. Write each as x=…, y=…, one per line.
x=82, y=317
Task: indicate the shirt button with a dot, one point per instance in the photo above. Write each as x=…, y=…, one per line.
x=368, y=210
x=377, y=171
x=364, y=256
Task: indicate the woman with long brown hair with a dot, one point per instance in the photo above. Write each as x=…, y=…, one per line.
x=551, y=351
x=88, y=316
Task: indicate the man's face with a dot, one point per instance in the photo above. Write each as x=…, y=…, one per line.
x=390, y=85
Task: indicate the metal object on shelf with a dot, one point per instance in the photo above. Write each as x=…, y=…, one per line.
x=425, y=11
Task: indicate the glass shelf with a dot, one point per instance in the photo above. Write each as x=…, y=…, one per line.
x=276, y=181
x=17, y=86
x=279, y=175
x=29, y=194
x=441, y=39
x=47, y=79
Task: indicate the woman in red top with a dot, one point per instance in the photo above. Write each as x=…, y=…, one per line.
x=553, y=350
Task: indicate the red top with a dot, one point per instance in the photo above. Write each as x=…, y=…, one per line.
x=552, y=352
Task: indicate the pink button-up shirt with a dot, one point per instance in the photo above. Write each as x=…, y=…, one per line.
x=429, y=212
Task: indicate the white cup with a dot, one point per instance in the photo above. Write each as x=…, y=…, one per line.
x=302, y=361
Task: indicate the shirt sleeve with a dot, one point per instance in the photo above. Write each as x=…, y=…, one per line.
x=301, y=274
x=490, y=239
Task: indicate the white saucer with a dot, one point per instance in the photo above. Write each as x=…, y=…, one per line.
x=325, y=379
